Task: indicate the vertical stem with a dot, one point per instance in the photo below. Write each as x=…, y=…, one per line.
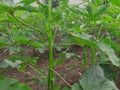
x=84, y=61
x=99, y=32
x=93, y=56
x=50, y=40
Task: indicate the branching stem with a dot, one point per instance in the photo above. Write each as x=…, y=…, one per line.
x=25, y=24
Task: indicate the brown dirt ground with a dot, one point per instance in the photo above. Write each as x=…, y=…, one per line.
x=72, y=76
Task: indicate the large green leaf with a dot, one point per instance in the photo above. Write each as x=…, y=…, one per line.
x=109, y=52
x=113, y=44
x=94, y=79
x=12, y=84
x=109, y=72
x=76, y=87
x=83, y=39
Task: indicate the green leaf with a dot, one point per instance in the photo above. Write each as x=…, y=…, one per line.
x=4, y=84
x=94, y=79
x=20, y=87
x=65, y=88
x=109, y=72
x=32, y=61
x=36, y=44
x=89, y=9
x=113, y=44
x=102, y=9
x=76, y=87
x=73, y=66
x=3, y=76
x=12, y=49
x=65, y=3
x=40, y=70
x=116, y=2
x=12, y=84
x=28, y=8
x=22, y=67
x=57, y=87
x=44, y=9
x=21, y=40
x=5, y=8
x=11, y=7
x=13, y=64
x=24, y=60
x=83, y=39
x=26, y=2
x=41, y=49
x=2, y=44
x=109, y=52
x=7, y=63
x=3, y=64
x=69, y=55
x=21, y=58
x=7, y=2
x=58, y=62
x=41, y=81
x=83, y=12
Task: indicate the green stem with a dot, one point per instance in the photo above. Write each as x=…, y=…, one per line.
x=62, y=78
x=25, y=24
x=99, y=32
x=84, y=61
x=37, y=71
x=50, y=40
x=54, y=36
x=93, y=56
x=69, y=8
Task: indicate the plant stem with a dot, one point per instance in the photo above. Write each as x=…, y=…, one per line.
x=69, y=8
x=54, y=36
x=25, y=24
x=50, y=40
x=84, y=62
x=62, y=78
x=99, y=32
x=93, y=56
x=36, y=71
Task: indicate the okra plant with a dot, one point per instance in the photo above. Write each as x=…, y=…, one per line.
x=26, y=30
